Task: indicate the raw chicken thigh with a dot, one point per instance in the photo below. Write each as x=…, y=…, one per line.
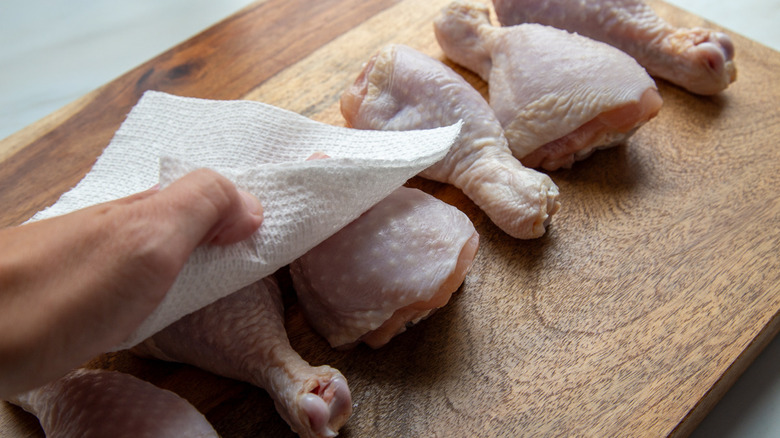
x=559, y=96
x=403, y=89
x=242, y=336
x=388, y=269
x=699, y=60
x=99, y=403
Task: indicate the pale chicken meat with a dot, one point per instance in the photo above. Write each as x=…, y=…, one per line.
x=559, y=96
x=99, y=403
x=242, y=336
x=402, y=89
x=698, y=59
x=387, y=270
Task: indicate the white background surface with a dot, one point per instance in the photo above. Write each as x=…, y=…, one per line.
x=53, y=51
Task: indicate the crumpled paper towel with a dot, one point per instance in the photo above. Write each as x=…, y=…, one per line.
x=262, y=149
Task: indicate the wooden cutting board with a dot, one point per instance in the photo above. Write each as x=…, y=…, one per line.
x=655, y=287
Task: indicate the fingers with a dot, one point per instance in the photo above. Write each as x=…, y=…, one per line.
x=236, y=229
x=75, y=285
x=206, y=208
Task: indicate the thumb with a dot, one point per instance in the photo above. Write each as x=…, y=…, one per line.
x=206, y=208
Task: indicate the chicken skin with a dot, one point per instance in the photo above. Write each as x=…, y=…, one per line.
x=99, y=403
x=387, y=270
x=699, y=60
x=402, y=89
x=559, y=96
x=242, y=336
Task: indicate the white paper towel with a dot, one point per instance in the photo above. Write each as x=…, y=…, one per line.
x=262, y=149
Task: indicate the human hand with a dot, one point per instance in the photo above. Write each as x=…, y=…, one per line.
x=73, y=286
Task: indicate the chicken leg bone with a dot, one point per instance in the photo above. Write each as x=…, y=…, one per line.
x=699, y=60
x=242, y=336
x=402, y=89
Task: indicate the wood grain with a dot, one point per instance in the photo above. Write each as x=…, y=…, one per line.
x=655, y=287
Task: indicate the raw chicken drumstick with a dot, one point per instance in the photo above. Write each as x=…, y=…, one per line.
x=699, y=60
x=242, y=336
x=559, y=96
x=402, y=89
x=388, y=269
x=99, y=403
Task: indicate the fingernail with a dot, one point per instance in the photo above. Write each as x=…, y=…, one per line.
x=252, y=204
x=319, y=155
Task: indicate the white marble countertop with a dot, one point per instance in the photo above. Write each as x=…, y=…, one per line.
x=53, y=51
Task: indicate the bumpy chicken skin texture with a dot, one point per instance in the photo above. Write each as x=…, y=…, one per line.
x=559, y=96
x=99, y=403
x=699, y=60
x=403, y=89
x=390, y=268
x=242, y=336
